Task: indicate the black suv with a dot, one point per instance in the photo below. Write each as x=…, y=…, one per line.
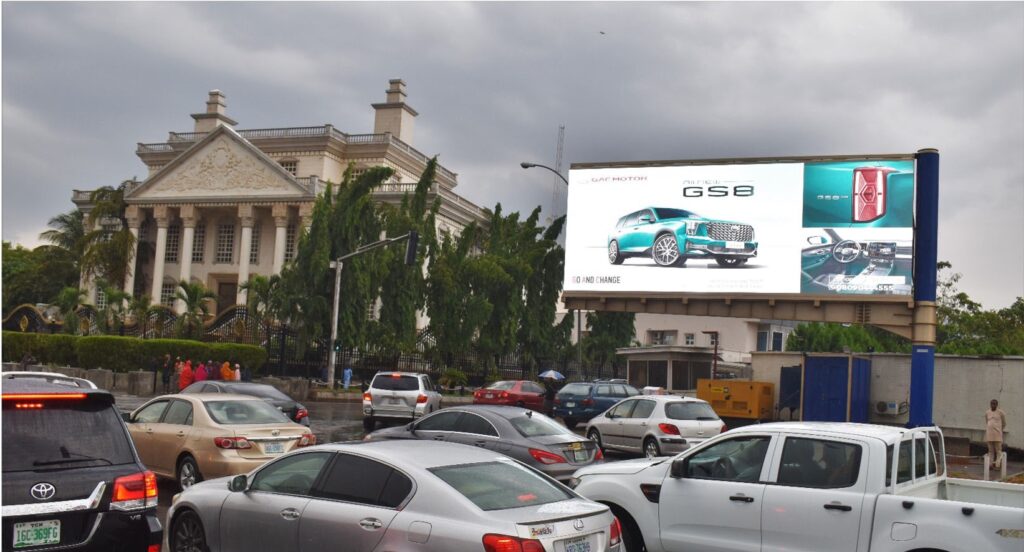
x=72, y=480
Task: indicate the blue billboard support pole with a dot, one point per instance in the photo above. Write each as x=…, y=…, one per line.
x=922, y=359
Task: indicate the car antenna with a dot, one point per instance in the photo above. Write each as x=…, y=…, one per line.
x=529, y=414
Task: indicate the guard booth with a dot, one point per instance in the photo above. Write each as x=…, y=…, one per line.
x=835, y=388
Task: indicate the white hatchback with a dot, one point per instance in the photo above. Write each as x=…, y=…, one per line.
x=399, y=396
x=655, y=425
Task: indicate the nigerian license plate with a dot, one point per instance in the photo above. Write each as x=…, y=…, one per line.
x=579, y=455
x=570, y=404
x=273, y=448
x=735, y=245
x=578, y=544
x=36, y=533
x=489, y=395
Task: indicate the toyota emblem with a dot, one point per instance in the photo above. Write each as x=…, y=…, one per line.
x=578, y=524
x=43, y=491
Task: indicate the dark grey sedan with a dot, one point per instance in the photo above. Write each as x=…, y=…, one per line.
x=523, y=434
x=291, y=408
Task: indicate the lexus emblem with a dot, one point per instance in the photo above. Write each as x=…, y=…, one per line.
x=43, y=491
x=578, y=525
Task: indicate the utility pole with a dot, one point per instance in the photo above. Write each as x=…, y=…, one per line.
x=714, y=360
x=413, y=238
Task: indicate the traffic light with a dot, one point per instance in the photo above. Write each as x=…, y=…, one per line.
x=410, y=248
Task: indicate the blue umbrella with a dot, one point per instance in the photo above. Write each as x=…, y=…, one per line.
x=552, y=374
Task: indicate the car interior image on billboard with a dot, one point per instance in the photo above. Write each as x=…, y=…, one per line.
x=816, y=228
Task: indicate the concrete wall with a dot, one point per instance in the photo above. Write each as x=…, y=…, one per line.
x=963, y=388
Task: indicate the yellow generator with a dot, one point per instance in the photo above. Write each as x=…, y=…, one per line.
x=738, y=398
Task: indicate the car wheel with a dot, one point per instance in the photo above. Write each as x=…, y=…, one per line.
x=651, y=448
x=570, y=423
x=369, y=423
x=595, y=436
x=187, y=533
x=614, y=255
x=188, y=472
x=730, y=262
x=665, y=251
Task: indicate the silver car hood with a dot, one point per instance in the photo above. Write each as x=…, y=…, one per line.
x=622, y=467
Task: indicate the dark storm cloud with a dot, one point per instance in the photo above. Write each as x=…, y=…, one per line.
x=84, y=82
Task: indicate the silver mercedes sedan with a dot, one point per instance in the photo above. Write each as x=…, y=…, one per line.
x=404, y=495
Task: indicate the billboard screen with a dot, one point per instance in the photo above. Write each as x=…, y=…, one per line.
x=830, y=228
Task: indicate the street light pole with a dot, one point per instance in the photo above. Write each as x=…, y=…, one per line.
x=714, y=360
x=579, y=324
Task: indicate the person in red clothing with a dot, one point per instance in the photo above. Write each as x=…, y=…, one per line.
x=186, y=377
x=201, y=372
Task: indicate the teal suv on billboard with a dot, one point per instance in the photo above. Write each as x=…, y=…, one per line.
x=671, y=236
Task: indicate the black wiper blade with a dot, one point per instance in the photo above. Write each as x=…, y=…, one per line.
x=705, y=418
x=70, y=460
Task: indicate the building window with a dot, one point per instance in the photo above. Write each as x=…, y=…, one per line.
x=291, y=166
x=713, y=339
x=225, y=243
x=199, y=244
x=289, y=243
x=690, y=340
x=101, y=299
x=762, y=341
x=254, y=249
x=776, y=341
x=173, y=243
x=167, y=294
x=661, y=337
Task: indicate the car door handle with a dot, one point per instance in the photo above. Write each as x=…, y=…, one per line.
x=837, y=506
x=741, y=498
x=149, y=430
x=370, y=524
x=439, y=437
x=480, y=443
x=181, y=434
x=290, y=513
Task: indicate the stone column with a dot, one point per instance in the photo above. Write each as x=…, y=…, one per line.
x=306, y=215
x=245, y=217
x=134, y=225
x=188, y=223
x=280, y=213
x=162, y=220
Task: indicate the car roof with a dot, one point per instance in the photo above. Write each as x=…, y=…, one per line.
x=494, y=409
x=393, y=372
x=33, y=386
x=669, y=398
x=889, y=434
x=424, y=454
x=211, y=397
x=79, y=382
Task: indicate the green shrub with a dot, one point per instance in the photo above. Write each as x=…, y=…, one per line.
x=47, y=349
x=120, y=354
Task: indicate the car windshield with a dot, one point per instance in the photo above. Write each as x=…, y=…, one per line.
x=664, y=213
x=257, y=390
x=244, y=412
x=62, y=435
x=501, y=385
x=575, y=389
x=538, y=425
x=690, y=411
x=501, y=485
x=396, y=382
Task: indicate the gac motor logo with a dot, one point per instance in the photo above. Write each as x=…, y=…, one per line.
x=622, y=178
x=718, y=190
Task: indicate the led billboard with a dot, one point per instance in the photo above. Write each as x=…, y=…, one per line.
x=828, y=228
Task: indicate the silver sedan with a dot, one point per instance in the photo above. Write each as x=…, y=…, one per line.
x=389, y=496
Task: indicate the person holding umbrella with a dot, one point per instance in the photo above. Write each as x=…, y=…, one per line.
x=548, y=378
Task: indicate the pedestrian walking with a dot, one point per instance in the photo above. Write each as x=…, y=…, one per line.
x=237, y=373
x=549, y=395
x=212, y=371
x=27, y=360
x=995, y=425
x=346, y=377
x=165, y=373
x=226, y=373
x=201, y=374
x=187, y=376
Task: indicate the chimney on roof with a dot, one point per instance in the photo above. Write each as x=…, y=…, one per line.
x=395, y=117
x=214, y=115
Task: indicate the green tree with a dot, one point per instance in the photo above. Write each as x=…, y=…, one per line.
x=109, y=249
x=68, y=301
x=141, y=308
x=67, y=231
x=838, y=338
x=196, y=299
x=264, y=301
x=966, y=328
x=110, y=319
x=608, y=331
x=36, y=275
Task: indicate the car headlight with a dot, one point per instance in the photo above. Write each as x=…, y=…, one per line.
x=572, y=482
x=691, y=228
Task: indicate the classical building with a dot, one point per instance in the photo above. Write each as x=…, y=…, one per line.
x=220, y=205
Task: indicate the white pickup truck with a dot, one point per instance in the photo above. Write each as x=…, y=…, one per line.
x=807, y=487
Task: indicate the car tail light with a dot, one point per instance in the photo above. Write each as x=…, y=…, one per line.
x=232, y=442
x=367, y=396
x=134, y=492
x=545, y=457
x=614, y=533
x=599, y=455
x=506, y=543
x=153, y=548
x=422, y=399
x=503, y=395
x=668, y=429
x=724, y=428
x=28, y=406
x=557, y=401
x=587, y=402
x=307, y=440
x=302, y=413
x=44, y=396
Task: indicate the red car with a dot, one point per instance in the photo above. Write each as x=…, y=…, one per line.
x=523, y=393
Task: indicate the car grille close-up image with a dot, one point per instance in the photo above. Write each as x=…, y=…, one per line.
x=730, y=232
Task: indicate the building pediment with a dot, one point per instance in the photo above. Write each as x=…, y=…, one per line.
x=222, y=165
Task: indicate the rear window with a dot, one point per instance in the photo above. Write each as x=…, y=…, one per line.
x=538, y=425
x=244, y=412
x=257, y=390
x=396, y=383
x=62, y=436
x=501, y=385
x=690, y=411
x=501, y=485
x=575, y=389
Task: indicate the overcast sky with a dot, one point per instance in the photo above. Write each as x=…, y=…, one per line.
x=83, y=83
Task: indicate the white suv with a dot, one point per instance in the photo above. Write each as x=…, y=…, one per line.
x=400, y=396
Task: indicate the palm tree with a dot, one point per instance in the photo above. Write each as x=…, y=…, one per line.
x=141, y=308
x=110, y=318
x=68, y=300
x=67, y=232
x=196, y=299
x=107, y=251
x=263, y=300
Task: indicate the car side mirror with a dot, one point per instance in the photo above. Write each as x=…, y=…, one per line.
x=817, y=240
x=678, y=469
x=411, y=427
x=127, y=417
x=238, y=483
x=609, y=415
x=645, y=219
